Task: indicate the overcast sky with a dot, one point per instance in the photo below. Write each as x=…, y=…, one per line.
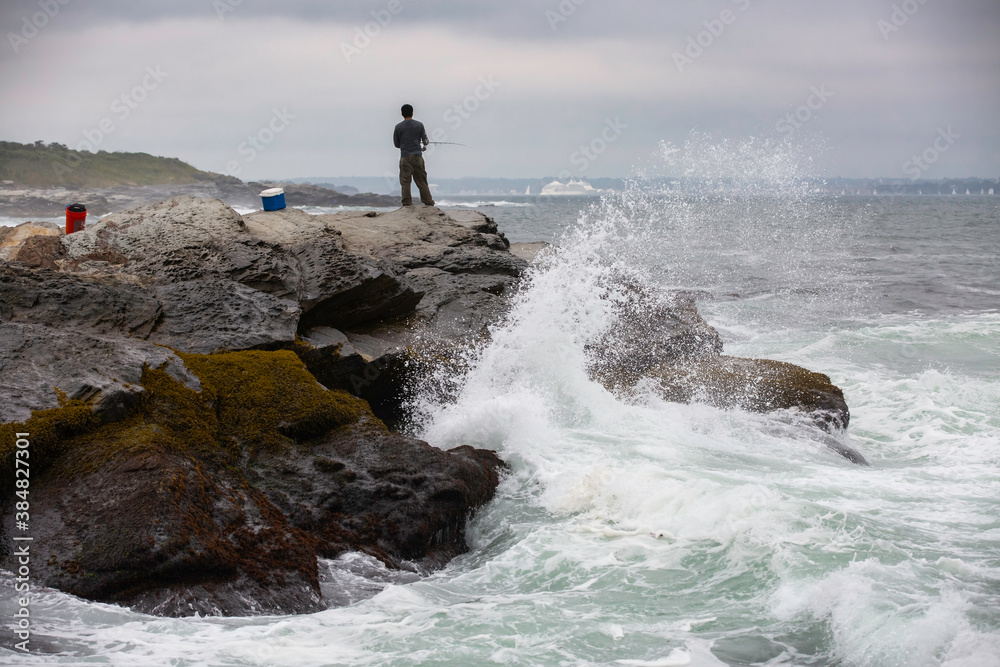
x=533, y=82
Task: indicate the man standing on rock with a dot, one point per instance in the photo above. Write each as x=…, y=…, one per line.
x=410, y=138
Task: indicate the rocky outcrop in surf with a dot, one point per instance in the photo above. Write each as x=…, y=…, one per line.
x=206, y=393
x=185, y=459
x=218, y=500
x=659, y=340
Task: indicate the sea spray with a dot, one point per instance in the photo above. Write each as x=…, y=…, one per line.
x=716, y=503
x=645, y=532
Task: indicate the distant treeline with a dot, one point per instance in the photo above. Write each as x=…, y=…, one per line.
x=944, y=186
x=49, y=165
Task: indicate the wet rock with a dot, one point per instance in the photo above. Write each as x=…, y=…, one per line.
x=12, y=239
x=330, y=357
x=755, y=385
x=457, y=306
x=529, y=252
x=178, y=240
x=219, y=500
x=759, y=385
x=38, y=362
x=214, y=315
x=383, y=493
x=662, y=338
x=651, y=329
x=76, y=303
x=159, y=533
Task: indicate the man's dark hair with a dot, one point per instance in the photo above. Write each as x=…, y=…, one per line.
x=407, y=110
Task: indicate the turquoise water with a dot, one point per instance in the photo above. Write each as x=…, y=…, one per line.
x=638, y=532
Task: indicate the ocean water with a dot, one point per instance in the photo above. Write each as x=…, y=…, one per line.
x=639, y=532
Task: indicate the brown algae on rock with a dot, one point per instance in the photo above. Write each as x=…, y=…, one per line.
x=248, y=399
x=755, y=385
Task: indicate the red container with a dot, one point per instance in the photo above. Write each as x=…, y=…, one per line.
x=76, y=215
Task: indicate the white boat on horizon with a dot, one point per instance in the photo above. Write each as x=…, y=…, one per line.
x=557, y=188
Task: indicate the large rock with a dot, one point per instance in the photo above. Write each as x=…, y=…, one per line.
x=12, y=239
x=456, y=258
x=179, y=483
x=456, y=241
x=191, y=274
x=217, y=274
x=40, y=365
x=219, y=500
x=755, y=385
x=650, y=329
x=178, y=240
x=157, y=532
x=76, y=303
x=215, y=315
x=661, y=338
x=458, y=261
x=334, y=287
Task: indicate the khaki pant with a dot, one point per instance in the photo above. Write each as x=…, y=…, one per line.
x=412, y=166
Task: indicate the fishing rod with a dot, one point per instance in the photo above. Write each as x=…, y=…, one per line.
x=450, y=143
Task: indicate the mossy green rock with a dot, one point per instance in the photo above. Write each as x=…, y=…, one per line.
x=219, y=501
x=754, y=385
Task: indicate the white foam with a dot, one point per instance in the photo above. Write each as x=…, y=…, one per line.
x=643, y=532
x=14, y=221
x=677, y=658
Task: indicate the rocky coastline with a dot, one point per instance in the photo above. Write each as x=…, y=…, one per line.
x=20, y=201
x=207, y=394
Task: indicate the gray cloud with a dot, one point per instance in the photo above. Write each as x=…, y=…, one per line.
x=558, y=87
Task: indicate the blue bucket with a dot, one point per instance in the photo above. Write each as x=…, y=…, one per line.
x=273, y=198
